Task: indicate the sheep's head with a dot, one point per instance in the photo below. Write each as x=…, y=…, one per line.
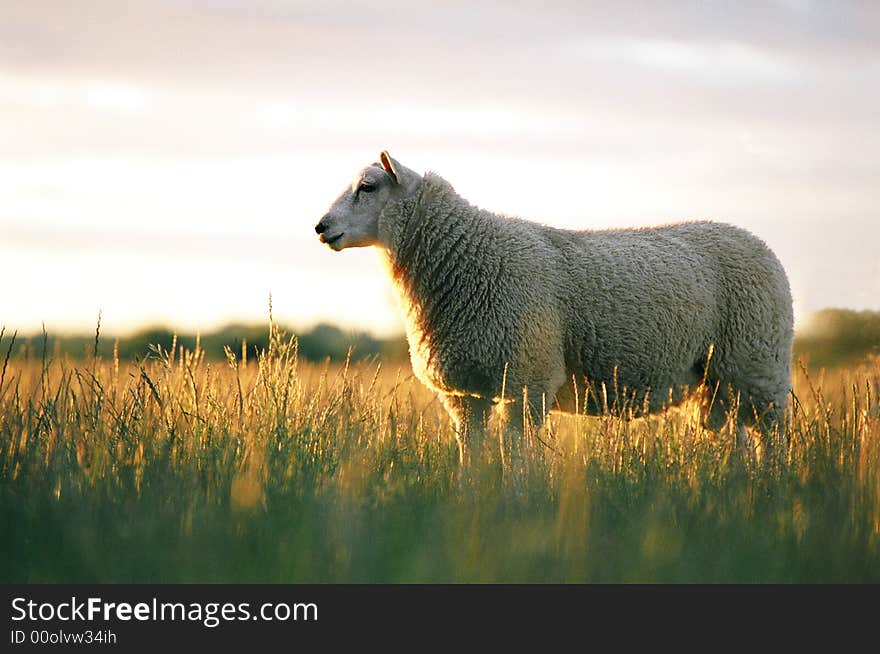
x=353, y=220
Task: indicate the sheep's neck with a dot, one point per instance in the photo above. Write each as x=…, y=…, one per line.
x=443, y=265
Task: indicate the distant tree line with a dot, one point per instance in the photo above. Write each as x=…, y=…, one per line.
x=320, y=343
x=837, y=337
x=831, y=337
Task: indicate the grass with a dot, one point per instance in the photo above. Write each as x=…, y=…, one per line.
x=273, y=470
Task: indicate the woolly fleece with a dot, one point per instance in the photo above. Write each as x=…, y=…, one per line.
x=492, y=300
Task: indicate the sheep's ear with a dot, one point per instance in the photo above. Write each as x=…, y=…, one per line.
x=388, y=165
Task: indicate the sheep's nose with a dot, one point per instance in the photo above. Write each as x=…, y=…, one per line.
x=320, y=228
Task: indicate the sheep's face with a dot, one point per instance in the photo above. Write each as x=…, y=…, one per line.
x=353, y=220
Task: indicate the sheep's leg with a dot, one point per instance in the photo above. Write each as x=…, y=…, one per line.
x=770, y=418
x=721, y=413
x=737, y=410
x=523, y=419
x=469, y=416
x=525, y=416
x=743, y=439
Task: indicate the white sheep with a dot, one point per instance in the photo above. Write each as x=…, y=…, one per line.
x=634, y=315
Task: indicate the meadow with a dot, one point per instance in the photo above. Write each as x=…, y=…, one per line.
x=266, y=468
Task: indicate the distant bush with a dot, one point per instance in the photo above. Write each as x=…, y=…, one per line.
x=836, y=337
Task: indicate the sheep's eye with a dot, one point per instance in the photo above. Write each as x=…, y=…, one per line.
x=366, y=187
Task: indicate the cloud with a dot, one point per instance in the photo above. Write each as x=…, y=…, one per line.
x=61, y=93
x=724, y=62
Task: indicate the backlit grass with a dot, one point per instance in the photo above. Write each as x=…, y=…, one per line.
x=180, y=470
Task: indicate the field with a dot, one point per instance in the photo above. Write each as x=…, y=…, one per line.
x=180, y=469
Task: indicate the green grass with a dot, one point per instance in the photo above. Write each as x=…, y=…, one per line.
x=181, y=470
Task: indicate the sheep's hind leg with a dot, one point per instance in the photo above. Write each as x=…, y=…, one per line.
x=469, y=417
x=736, y=411
x=769, y=415
x=721, y=414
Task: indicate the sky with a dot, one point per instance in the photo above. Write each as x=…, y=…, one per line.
x=165, y=162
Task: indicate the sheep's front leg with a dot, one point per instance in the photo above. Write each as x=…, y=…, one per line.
x=523, y=418
x=526, y=414
x=469, y=415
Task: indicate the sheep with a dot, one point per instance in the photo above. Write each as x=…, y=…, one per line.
x=576, y=320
